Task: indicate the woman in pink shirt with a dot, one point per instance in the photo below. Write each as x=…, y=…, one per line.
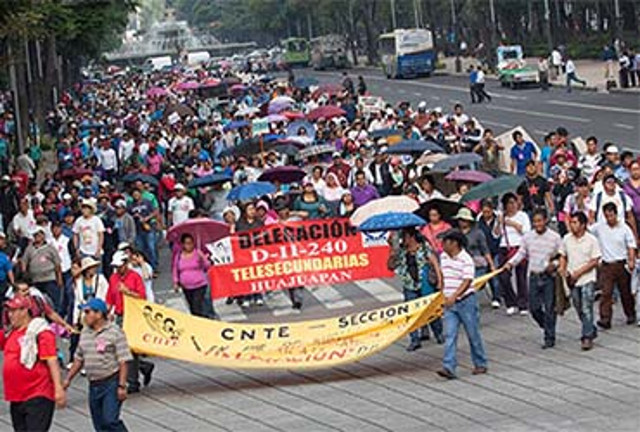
x=190, y=274
x=435, y=227
x=154, y=161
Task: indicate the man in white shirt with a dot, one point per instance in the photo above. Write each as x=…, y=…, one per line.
x=480, y=82
x=589, y=162
x=571, y=75
x=460, y=305
x=556, y=62
x=88, y=231
x=618, y=246
x=23, y=223
x=179, y=206
x=126, y=148
x=612, y=193
x=579, y=257
x=108, y=160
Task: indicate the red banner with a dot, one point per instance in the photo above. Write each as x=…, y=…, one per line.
x=296, y=254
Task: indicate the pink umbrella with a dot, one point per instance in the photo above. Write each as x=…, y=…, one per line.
x=156, y=92
x=188, y=85
x=238, y=88
x=203, y=230
x=210, y=82
x=292, y=115
x=276, y=118
x=470, y=176
x=327, y=112
x=329, y=89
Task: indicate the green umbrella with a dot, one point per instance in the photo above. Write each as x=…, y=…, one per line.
x=497, y=186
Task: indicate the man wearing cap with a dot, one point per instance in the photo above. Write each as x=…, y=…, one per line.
x=124, y=223
x=460, y=305
x=103, y=352
x=41, y=263
x=340, y=169
x=125, y=281
x=31, y=374
x=88, y=231
x=179, y=206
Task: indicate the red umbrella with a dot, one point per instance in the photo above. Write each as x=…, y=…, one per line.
x=329, y=89
x=210, y=82
x=283, y=174
x=327, y=112
x=203, y=230
x=238, y=88
x=188, y=85
x=292, y=115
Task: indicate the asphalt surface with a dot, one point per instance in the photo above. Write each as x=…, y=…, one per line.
x=610, y=117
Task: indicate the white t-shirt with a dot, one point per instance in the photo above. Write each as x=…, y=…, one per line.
x=570, y=67
x=126, y=149
x=108, y=159
x=614, y=241
x=580, y=251
x=23, y=224
x=180, y=208
x=61, y=244
x=87, y=231
x=511, y=234
x=623, y=206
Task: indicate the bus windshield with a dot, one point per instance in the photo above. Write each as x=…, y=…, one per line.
x=413, y=41
x=387, y=45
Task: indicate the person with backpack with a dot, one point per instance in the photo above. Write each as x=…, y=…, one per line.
x=612, y=193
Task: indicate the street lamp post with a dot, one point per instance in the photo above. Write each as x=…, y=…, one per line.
x=392, y=5
x=618, y=18
x=454, y=24
x=492, y=39
x=547, y=25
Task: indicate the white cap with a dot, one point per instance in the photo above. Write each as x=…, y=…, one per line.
x=613, y=150
x=119, y=258
x=422, y=105
x=336, y=154
x=123, y=246
x=179, y=186
x=105, y=183
x=2, y=234
x=66, y=196
x=121, y=203
x=37, y=229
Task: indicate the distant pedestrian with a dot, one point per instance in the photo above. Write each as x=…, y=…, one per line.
x=460, y=306
x=580, y=254
x=362, y=86
x=103, y=353
x=556, y=63
x=480, y=83
x=571, y=75
x=30, y=373
x=473, y=83
x=543, y=73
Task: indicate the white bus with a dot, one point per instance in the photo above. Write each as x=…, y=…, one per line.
x=407, y=53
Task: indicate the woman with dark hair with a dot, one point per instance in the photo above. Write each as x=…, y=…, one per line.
x=512, y=224
x=417, y=266
x=346, y=207
x=310, y=205
x=248, y=221
x=434, y=228
x=190, y=274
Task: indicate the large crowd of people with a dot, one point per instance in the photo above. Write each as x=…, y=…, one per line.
x=83, y=229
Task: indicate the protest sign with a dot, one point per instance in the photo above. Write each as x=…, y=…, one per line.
x=157, y=330
x=294, y=254
x=260, y=127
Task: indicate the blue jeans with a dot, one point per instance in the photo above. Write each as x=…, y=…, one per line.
x=582, y=297
x=146, y=242
x=105, y=406
x=542, y=304
x=409, y=295
x=467, y=313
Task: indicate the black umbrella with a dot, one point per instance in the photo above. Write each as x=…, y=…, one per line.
x=414, y=147
x=144, y=178
x=457, y=160
x=448, y=208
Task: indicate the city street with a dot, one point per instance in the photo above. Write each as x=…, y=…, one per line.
x=612, y=117
x=527, y=389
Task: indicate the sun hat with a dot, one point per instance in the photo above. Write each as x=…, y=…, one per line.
x=87, y=263
x=464, y=214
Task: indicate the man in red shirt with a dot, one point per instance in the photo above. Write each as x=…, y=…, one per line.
x=32, y=392
x=125, y=281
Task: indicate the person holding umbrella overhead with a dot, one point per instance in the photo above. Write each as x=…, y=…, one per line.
x=414, y=262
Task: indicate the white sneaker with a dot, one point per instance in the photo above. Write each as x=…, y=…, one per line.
x=242, y=303
x=70, y=364
x=512, y=310
x=524, y=312
x=259, y=302
x=638, y=323
x=495, y=304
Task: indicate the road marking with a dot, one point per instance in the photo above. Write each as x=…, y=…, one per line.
x=624, y=126
x=539, y=114
x=435, y=97
x=380, y=290
x=417, y=94
x=492, y=123
x=402, y=91
x=455, y=101
x=594, y=107
x=540, y=131
x=231, y=312
x=330, y=297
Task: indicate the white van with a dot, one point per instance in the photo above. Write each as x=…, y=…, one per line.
x=198, y=57
x=157, y=63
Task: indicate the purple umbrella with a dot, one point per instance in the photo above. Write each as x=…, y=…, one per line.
x=156, y=91
x=283, y=174
x=188, y=85
x=276, y=118
x=470, y=176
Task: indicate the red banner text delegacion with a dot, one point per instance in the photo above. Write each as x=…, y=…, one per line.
x=296, y=254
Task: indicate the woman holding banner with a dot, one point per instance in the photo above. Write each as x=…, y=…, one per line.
x=248, y=221
x=417, y=266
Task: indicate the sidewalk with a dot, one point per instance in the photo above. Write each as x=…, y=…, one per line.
x=590, y=70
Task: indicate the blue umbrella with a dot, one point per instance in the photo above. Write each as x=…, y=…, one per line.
x=293, y=128
x=462, y=159
x=209, y=180
x=235, y=125
x=306, y=82
x=383, y=133
x=391, y=221
x=271, y=137
x=250, y=190
x=414, y=146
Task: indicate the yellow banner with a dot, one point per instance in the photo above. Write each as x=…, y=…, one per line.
x=156, y=330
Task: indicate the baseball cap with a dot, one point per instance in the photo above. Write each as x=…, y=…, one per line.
x=36, y=230
x=18, y=302
x=121, y=204
x=336, y=154
x=179, y=186
x=95, y=304
x=613, y=149
x=119, y=259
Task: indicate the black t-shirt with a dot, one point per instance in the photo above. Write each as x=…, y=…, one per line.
x=533, y=191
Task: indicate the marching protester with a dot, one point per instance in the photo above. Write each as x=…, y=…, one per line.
x=103, y=353
x=31, y=373
x=580, y=255
x=41, y=263
x=540, y=247
x=460, y=306
x=190, y=275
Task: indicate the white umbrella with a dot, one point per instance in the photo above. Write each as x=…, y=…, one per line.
x=401, y=203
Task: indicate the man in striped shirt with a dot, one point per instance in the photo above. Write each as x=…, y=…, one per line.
x=541, y=246
x=461, y=305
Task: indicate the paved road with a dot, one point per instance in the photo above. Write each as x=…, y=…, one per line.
x=527, y=389
x=611, y=117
